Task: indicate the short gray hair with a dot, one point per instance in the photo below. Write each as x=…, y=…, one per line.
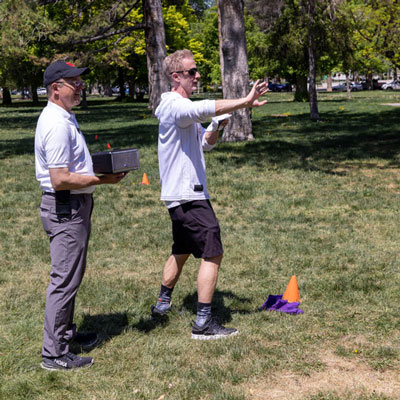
x=173, y=62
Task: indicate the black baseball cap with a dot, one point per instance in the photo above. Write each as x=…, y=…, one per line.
x=62, y=69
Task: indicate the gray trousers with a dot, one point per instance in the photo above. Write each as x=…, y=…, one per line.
x=69, y=236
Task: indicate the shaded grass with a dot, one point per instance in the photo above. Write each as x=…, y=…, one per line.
x=318, y=200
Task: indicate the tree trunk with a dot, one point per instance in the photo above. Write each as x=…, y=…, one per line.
x=84, y=103
x=369, y=81
x=35, y=97
x=107, y=90
x=348, y=86
x=155, y=50
x=234, y=66
x=329, y=83
x=131, y=88
x=301, y=93
x=6, y=97
x=121, y=83
x=312, y=61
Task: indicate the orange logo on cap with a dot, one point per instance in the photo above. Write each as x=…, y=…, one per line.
x=71, y=65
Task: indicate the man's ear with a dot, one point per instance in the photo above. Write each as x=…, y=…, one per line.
x=54, y=89
x=175, y=76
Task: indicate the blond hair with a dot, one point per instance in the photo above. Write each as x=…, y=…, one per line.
x=173, y=62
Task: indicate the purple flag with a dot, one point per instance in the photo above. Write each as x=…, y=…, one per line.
x=274, y=302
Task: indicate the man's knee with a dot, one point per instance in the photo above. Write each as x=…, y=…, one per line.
x=215, y=259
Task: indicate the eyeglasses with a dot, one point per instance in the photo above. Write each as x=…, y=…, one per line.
x=75, y=84
x=191, y=71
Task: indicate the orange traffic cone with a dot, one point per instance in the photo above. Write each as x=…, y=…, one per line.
x=292, y=291
x=145, y=180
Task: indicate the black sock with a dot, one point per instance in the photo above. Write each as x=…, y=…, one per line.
x=164, y=299
x=203, y=313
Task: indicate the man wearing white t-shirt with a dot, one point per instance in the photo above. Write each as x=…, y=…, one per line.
x=65, y=172
x=195, y=228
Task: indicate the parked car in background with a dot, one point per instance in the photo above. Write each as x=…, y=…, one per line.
x=41, y=90
x=355, y=87
x=376, y=85
x=280, y=87
x=394, y=85
x=342, y=87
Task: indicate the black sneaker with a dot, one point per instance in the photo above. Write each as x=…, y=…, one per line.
x=86, y=340
x=211, y=330
x=66, y=362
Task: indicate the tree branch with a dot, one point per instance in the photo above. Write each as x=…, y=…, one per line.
x=109, y=45
x=91, y=39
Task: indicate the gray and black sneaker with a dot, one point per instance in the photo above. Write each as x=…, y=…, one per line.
x=86, y=340
x=66, y=362
x=211, y=330
x=157, y=313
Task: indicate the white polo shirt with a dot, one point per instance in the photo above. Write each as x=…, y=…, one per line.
x=60, y=143
x=181, y=142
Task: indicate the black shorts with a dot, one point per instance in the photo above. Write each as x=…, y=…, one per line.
x=195, y=230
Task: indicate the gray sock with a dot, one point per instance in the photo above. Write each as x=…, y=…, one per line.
x=203, y=313
x=164, y=299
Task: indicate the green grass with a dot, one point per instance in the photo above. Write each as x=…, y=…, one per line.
x=318, y=200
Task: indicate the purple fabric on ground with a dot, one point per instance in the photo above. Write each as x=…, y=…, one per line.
x=275, y=303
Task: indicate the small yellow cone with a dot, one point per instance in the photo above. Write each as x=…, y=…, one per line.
x=292, y=291
x=145, y=180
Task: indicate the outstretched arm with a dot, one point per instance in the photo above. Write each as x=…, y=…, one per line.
x=251, y=100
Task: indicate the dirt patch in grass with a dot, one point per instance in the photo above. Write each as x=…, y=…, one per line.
x=345, y=378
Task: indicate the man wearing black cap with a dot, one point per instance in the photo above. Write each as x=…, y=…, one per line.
x=65, y=172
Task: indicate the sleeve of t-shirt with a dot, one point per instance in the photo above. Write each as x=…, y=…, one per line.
x=188, y=112
x=58, y=146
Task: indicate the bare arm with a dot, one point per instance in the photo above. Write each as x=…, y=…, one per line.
x=251, y=100
x=63, y=179
x=212, y=137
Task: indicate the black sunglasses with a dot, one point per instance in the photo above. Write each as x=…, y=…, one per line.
x=191, y=71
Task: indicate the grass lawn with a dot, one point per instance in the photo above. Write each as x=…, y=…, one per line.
x=318, y=200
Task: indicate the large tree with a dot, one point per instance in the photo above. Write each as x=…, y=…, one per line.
x=120, y=38
x=234, y=66
x=375, y=32
x=309, y=8
x=22, y=29
x=156, y=52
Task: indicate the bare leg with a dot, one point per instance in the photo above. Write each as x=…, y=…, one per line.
x=173, y=268
x=207, y=278
x=172, y=271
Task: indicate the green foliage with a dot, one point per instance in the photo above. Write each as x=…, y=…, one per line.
x=257, y=49
x=374, y=33
x=206, y=32
x=23, y=29
x=178, y=30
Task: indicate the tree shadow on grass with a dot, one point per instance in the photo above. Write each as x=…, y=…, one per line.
x=136, y=127
x=287, y=141
x=298, y=143
x=139, y=135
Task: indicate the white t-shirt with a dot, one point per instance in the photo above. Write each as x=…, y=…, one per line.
x=60, y=143
x=181, y=142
